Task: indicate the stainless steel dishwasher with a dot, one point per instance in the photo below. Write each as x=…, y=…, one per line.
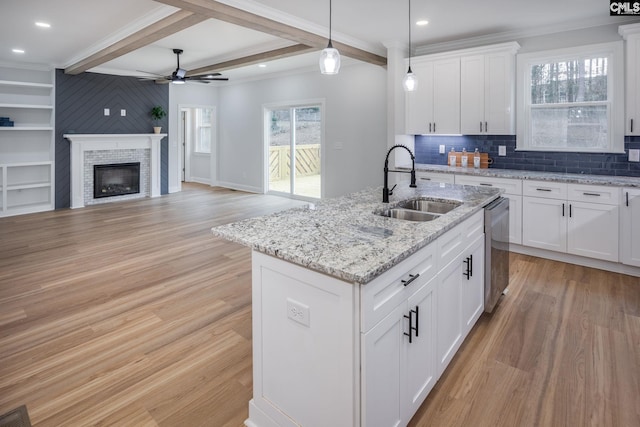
x=496, y=229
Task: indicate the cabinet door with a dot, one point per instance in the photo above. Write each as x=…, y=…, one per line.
x=472, y=285
x=384, y=349
x=449, y=316
x=630, y=227
x=632, y=124
x=420, y=363
x=446, y=96
x=544, y=223
x=593, y=230
x=419, y=103
x=472, y=94
x=499, y=93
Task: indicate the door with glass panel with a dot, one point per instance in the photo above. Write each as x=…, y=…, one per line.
x=294, y=150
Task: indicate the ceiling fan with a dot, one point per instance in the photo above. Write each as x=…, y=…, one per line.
x=179, y=75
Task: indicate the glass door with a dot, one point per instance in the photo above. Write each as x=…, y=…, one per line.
x=294, y=155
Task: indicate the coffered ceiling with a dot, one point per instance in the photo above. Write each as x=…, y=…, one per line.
x=130, y=37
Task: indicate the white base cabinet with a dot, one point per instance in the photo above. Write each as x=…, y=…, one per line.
x=573, y=218
x=331, y=353
x=630, y=227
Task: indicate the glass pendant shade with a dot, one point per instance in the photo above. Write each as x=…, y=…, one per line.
x=329, y=60
x=410, y=81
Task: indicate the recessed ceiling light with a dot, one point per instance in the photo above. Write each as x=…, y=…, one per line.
x=262, y=65
x=43, y=25
x=17, y=50
x=422, y=22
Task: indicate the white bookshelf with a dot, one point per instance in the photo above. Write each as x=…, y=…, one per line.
x=27, y=161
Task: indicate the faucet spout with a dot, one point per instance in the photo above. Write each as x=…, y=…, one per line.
x=385, y=189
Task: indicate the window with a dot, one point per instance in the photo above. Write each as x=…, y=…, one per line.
x=203, y=130
x=572, y=99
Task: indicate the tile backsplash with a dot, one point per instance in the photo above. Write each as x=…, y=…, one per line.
x=427, y=151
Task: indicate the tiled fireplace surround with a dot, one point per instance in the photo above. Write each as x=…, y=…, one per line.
x=88, y=150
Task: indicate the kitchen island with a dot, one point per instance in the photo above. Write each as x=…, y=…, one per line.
x=356, y=315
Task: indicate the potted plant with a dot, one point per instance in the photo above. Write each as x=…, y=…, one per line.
x=157, y=114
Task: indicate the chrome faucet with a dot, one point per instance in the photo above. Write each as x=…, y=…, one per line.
x=385, y=190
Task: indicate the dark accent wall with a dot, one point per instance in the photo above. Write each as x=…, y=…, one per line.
x=80, y=104
x=426, y=151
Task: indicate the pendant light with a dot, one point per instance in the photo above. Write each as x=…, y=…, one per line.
x=410, y=81
x=330, y=57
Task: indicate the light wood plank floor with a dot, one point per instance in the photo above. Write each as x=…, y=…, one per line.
x=133, y=314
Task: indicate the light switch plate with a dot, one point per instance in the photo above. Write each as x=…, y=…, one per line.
x=106, y=112
x=338, y=145
x=502, y=150
x=634, y=155
x=123, y=112
x=442, y=149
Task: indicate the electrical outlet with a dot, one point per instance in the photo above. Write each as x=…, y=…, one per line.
x=106, y=112
x=298, y=312
x=502, y=150
x=441, y=149
x=634, y=155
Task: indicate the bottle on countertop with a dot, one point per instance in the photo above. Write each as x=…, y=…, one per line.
x=452, y=157
x=476, y=159
x=464, y=159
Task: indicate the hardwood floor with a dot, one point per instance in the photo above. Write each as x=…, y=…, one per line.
x=133, y=314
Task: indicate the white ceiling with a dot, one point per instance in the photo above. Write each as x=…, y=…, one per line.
x=82, y=27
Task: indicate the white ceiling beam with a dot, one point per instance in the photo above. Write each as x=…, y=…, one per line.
x=222, y=12
x=165, y=27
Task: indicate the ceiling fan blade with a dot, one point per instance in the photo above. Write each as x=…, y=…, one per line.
x=206, y=78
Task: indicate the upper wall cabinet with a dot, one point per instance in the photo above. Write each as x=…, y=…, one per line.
x=434, y=108
x=631, y=34
x=470, y=91
x=487, y=91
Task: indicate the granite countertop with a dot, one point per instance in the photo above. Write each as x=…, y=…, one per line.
x=346, y=239
x=620, y=181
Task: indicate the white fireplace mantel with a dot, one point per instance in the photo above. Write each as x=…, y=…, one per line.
x=95, y=142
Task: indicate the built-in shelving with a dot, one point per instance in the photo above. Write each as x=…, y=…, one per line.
x=27, y=161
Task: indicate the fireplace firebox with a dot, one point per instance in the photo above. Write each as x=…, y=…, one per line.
x=116, y=179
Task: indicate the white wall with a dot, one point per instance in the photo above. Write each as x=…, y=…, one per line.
x=355, y=115
x=187, y=95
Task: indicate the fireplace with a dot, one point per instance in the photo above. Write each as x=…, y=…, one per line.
x=116, y=179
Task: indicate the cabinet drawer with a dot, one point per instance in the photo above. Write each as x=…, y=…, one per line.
x=545, y=189
x=381, y=296
x=594, y=194
x=454, y=241
x=447, y=178
x=510, y=186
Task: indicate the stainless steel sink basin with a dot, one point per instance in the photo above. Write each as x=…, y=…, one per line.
x=431, y=206
x=409, y=215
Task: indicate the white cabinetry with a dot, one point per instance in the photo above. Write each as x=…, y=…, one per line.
x=631, y=33
x=512, y=190
x=27, y=148
x=487, y=91
x=367, y=352
x=630, y=227
x=573, y=218
x=447, y=178
x=460, y=286
x=434, y=108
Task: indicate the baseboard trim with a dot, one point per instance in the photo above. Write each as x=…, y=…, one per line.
x=614, y=267
x=239, y=187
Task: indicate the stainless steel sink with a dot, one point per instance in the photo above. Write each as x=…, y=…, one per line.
x=409, y=214
x=431, y=206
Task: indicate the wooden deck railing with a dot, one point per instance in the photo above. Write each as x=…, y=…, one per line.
x=307, y=161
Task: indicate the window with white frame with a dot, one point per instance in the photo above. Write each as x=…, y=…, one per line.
x=203, y=130
x=572, y=99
